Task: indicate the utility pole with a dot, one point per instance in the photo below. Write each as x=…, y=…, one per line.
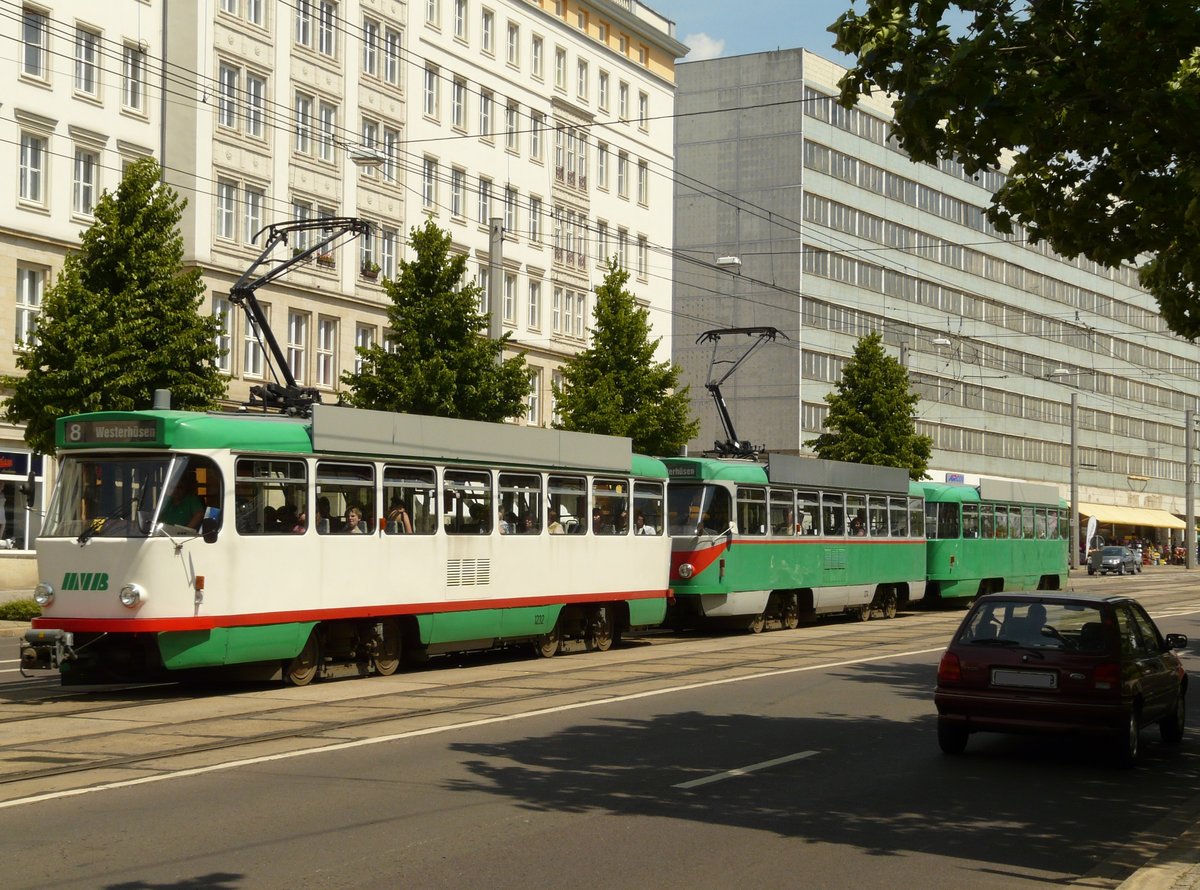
x=1074, y=481
x=1189, y=476
x=496, y=280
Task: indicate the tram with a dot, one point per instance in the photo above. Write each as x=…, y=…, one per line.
x=997, y=535
x=768, y=545
x=338, y=543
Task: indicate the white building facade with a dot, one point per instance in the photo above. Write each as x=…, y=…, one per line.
x=554, y=117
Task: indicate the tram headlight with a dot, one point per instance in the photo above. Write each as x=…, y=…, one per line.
x=132, y=595
x=43, y=594
x=686, y=570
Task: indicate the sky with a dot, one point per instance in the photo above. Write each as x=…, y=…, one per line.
x=715, y=28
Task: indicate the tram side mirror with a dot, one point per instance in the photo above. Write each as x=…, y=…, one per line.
x=729, y=538
x=208, y=528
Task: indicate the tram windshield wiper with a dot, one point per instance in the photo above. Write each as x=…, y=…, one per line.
x=124, y=512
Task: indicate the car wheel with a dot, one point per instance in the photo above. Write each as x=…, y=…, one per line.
x=1121, y=569
x=1126, y=742
x=952, y=737
x=1091, y=571
x=1172, y=727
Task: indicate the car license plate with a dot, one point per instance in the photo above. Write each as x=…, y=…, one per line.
x=1025, y=679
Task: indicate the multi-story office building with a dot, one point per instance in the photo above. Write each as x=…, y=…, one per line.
x=555, y=118
x=840, y=235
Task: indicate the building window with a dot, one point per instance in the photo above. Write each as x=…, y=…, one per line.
x=227, y=99
x=370, y=138
x=303, y=123
x=133, y=69
x=297, y=338
x=484, y=210
x=485, y=114
x=326, y=351
x=431, y=91
x=556, y=385
x=83, y=190
x=326, y=147
x=31, y=286
x=623, y=101
x=460, y=19
x=533, y=406
x=301, y=210
x=433, y=13
x=643, y=110
x=602, y=242
x=391, y=154
x=535, y=220
x=254, y=12
x=556, y=309
x=602, y=91
x=370, y=47
x=429, y=183
x=458, y=188
x=514, y=45
x=486, y=32
x=560, y=68
x=581, y=80
x=87, y=55
x=510, y=297
x=304, y=22
x=535, y=305
x=256, y=199
x=252, y=358
x=510, y=126
x=256, y=104
x=535, y=57
x=31, y=179
x=602, y=165
x=388, y=239
x=327, y=43
x=35, y=44
x=623, y=175
x=510, y=209
x=364, y=339
x=643, y=185
x=222, y=310
x=227, y=202
x=458, y=104
x=538, y=124
x=391, y=56
x=643, y=256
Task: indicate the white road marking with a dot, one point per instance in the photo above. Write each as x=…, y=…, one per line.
x=437, y=730
x=744, y=770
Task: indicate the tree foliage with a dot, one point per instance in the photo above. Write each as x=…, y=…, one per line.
x=872, y=414
x=442, y=362
x=121, y=320
x=1097, y=102
x=615, y=387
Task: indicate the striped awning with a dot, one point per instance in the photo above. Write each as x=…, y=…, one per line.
x=1144, y=516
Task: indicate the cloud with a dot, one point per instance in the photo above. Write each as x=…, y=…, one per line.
x=703, y=47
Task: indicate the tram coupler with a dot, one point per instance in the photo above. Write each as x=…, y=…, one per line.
x=45, y=650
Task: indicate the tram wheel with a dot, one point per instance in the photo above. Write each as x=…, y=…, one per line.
x=757, y=623
x=301, y=669
x=600, y=629
x=887, y=603
x=387, y=660
x=790, y=613
x=863, y=613
x=547, y=645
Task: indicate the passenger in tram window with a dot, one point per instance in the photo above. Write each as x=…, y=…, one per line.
x=639, y=525
x=285, y=517
x=596, y=521
x=622, y=521
x=529, y=524
x=300, y=526
x=184, y=507
x=399, y=522
x=354, y=523
x=244, y=508
x=502, y=524
x=323, y=526
x=270, y=519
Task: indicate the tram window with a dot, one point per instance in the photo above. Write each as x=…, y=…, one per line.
x=947, y=521
x=610, y=507
x=987, y=521
x=1039, y=523
x=341, y=486
x=898, y=516
x=856, y=515
x=468, y=506
x=783, y=512
x=970, y=520
x=410, y=494
x=916, y=517
x=521, y=502
x=877, y=520
x=752, y=511
x=648, y=508
x=1027, y=527
x=1052, y=524
x=191, y=495
x=833, y=513
x=567, y=505
x=1001, y=521
x=809, y=513
x=1064, y=525
x=269, y=496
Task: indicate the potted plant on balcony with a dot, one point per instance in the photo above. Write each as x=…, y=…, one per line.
x=370, y=270
x=325, y=259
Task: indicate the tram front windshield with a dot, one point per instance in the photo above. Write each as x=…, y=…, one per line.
x=697, y=509
x=121, y=496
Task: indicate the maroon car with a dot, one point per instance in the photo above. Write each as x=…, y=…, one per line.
x=1067, y=663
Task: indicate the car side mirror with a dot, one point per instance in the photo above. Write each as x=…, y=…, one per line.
x=1176, y=641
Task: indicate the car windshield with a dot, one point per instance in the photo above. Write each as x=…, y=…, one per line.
x=1073, y=626
x=1113, y=551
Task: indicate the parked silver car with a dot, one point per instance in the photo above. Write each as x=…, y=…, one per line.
x=1118, y=560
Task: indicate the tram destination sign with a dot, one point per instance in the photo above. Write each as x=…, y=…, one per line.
x=90, y=433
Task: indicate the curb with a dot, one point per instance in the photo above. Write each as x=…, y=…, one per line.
x=13, y=628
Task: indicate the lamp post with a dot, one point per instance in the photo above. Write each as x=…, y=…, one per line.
x=1189, y=482
x=1074, y=468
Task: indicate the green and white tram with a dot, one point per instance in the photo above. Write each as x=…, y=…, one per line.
x=766, y=545
x=336, y=544
x=998, y=535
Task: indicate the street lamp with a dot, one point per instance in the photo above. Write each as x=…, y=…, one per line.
x=1073, y=553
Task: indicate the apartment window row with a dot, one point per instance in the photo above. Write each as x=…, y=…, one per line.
x=315, y=127
x=253, y=12
x=240, y=208
x=88, y=60
x=311, y=342
x=242, y=99
x=33, y=174
x=317, y=26
x=381, y=47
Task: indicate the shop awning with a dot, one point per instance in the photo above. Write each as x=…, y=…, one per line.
x=1106, y=513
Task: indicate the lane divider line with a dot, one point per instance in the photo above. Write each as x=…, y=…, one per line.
x=744, y=770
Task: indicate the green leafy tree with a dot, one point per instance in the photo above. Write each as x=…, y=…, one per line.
x=443, y=363
x=121, y=320
x=1096, y=102
x=615, y=387
x=872, y=414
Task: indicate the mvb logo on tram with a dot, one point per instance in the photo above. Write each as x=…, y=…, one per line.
x=85, y=581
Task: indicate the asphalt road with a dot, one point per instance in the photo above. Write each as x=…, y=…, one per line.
x=800, y=761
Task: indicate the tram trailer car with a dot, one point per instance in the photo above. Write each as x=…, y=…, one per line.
x=995, y=536
x=180, y=542
x=757, y=545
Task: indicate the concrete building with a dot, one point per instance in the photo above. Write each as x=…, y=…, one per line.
x=552, y=117
x=840, y=235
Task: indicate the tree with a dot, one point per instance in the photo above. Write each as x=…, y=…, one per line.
x=1097, y=103
x=121, y=320
x=441, y=361
x=872, y=414
x=615, y=387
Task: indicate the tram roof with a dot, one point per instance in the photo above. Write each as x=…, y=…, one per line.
x=788, y=469
x=999, y=490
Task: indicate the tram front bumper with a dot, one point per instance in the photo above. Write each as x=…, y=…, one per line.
x=45, y=650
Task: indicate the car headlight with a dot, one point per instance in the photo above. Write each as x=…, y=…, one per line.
x=686, y=570
x=132, y=595
x=43, y=594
